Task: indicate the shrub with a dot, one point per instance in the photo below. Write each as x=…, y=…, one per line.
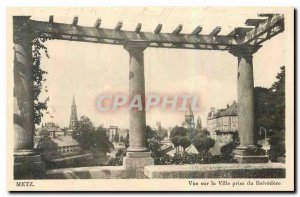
x=203, y=144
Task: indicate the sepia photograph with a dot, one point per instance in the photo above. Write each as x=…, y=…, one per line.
x=150, y=99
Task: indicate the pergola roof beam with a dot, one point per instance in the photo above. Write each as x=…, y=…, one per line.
x=98, y=23
x=51, y=19
x=240, y=31
x=255, y=22
x=240, y=35
x=119, y=26
x=158, y=29
x=178, y=29
x=215, y=31
x=138, y=28
x=197, y=30
x=75, y=21
x=266, y=15
x=275, y=22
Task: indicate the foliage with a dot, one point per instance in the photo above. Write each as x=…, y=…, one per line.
x=262, y=107
x=277, y=142
x=203, y=143
x=47, y=148
x=118, y=160
x=91, y=138
x=83, y=132
x=38, y=77
x=227, y=155
x=99, y=141
x=179, y=136
x=162, y=133
x=185, y=142
x=269, y=105
x=278, y=100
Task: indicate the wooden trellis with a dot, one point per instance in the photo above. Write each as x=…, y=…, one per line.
x=255, y=33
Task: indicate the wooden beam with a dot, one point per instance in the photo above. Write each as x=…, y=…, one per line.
x=178, y=29
x=138, y=28
x=275, y=22
x=75, y=21
x=266, y=15
x=109, y=36
x=119, y=26
x=98, y=23
x=51, y=19
x=158, y=29
x=197, y=30
x=240, y=31
x=215, y=31
x=254, y=22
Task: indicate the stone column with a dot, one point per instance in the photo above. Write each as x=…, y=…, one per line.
x=247, y=152
x=27, y=163
x=137, y=156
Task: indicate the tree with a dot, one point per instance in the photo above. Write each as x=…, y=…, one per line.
x=185, y=142
x=83, y=132
x=277, y=142
x=126, y=140
x=262, y=110
x=269, y=105
x=203, y=143
x=99, y=140
x=278, y=100
x=162, y=133
x=176, y=135
x=47, y=148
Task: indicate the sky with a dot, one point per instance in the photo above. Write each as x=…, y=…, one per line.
x=87, y=70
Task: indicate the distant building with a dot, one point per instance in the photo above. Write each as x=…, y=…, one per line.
x=50, y=129
x=222, y=123
x=189, y=118
x=116, y=134
x=113, y=135
x=73, y=118
x=199, y=124
x=223, y=120
x=67, y=145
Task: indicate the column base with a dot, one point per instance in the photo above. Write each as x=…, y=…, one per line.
x=28, y=165
x=135, y=162
x=129, y=149
x=250, y=154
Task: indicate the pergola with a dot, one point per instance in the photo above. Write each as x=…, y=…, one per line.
x=241, y=42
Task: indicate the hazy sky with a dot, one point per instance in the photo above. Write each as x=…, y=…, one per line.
x=88, y=70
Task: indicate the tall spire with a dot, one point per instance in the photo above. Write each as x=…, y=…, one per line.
x=73, y=117
x=73, y=102
x=189, y=117
x=189, y=111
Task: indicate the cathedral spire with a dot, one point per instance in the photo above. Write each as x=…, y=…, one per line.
x=73, y=102
x=189, y=117
x=73, y=117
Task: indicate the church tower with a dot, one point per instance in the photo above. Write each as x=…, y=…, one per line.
x=189, y=118
x=199, y=124
x=73, y=118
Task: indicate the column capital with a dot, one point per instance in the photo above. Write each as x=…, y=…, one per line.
x=22, y=29
x=135, y=46
x=244, y=51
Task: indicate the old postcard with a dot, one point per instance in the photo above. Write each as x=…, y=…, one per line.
x=150, y=99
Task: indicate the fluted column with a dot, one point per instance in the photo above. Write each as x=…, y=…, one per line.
x=137, y=118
